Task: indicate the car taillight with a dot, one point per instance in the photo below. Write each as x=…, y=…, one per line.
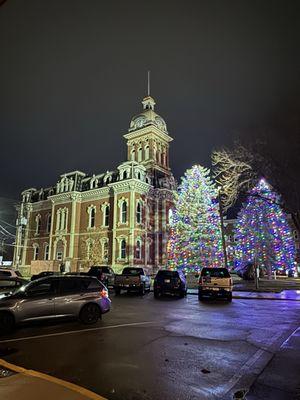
x=104, y=293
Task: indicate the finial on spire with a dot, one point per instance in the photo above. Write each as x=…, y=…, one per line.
x=148, y=93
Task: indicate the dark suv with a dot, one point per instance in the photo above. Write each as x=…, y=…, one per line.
x=104, y=273
x=170, y=282
x=83, y=297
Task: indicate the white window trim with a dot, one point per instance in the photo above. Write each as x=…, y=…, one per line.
x=103, y=209
x=120, y=204
x=35, y=251
x=46, y=253
x=89, y=211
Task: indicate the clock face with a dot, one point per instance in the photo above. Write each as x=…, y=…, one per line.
x=139, y=122
x=160, y=123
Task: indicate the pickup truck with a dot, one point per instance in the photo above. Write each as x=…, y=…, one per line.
x=132, y=279
x=215, y=282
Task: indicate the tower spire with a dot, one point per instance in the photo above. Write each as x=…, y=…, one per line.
x=148, y=92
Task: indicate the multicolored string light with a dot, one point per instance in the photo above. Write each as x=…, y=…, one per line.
x=195, y=233
x=262, y=232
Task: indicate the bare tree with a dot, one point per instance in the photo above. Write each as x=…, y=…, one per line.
x=233, y=172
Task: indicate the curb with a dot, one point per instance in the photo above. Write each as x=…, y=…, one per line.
x=71, y=386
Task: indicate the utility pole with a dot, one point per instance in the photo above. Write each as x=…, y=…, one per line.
x=222, y=228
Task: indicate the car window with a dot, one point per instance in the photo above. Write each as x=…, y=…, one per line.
x=7, y=283
x=91, y=285
x=45, y=287
x=133, y=271
x=215, y=272
x=70, y=285
x=166, y=273
x=5, y=273
x=18, y=273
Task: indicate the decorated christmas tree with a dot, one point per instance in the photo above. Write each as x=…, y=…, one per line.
x=262, y=232
x=195, y=232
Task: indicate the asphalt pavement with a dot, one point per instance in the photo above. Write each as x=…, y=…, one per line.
x=166, y=349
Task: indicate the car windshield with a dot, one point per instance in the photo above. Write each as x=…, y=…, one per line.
x=168, y=274
x=215, y=272
x=133, y=271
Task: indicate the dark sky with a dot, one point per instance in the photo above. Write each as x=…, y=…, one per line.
x=73, y=73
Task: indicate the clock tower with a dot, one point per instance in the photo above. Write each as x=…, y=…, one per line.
x=148, y=140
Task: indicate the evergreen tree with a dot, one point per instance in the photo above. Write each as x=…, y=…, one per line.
x=195, y=233
x=262, y=232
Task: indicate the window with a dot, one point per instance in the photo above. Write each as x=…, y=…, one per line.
x=59, y=255
x=138, y=213
x=140, y=154
x=138, y=175
x=37, y=224
x=124, y=175
x=35, y=252
x=70, y=285
x=44, y=288
x=147, y=152
x=46, y=253
x=132, y=155
x=49, y=223
x=106, y=216
x=92, y=218
x=123, y=248
x=124, y=212
x=138, y=249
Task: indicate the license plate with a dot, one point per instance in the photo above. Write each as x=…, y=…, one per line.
x=167, y=281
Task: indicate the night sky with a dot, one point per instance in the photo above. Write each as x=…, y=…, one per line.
x=73, y=73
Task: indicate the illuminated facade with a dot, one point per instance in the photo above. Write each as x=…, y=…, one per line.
x=117, y=218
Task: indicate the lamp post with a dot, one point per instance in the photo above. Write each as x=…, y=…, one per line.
x=222, y=227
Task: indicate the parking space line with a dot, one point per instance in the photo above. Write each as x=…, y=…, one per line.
x=74, y=332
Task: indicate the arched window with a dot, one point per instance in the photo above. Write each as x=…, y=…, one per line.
x=124, y=212
x=132, y=155
x=49, y=223
x=92, y=218
x=140, y=154
x=37, y=224
x=123, y=249
x=35, y=252
x=125, y=175
x=147, y=152
x=138, y=175
x=138, y=249
x=46, y=252
x=138, y=213
x=106, y=216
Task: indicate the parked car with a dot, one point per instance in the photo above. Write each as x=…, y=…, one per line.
x=215, y=282
x=9, y=284
x=104, y=273
x=83, y=297
x=170, y=282
x=42, y=274
x=10, y=273
x=132, y=279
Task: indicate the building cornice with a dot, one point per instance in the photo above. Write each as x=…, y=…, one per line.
x=148, y=130
x=129, y=185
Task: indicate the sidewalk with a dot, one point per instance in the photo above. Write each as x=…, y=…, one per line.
x=22, y=384
x=280, y=379
x=291, y=295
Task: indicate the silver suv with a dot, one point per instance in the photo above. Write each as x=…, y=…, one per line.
x=83, y=297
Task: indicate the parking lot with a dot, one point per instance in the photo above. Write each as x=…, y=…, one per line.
x=159, y=349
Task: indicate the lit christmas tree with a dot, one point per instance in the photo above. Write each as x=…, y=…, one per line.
x=262, y=232
x=195, y=232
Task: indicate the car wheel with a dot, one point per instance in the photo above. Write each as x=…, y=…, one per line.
x=90, y=314
x=7, y=322
x=200, y=297
x=142, y=290
x=181, y=294
x=229, y=297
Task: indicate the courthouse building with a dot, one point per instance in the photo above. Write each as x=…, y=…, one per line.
x=118, y=218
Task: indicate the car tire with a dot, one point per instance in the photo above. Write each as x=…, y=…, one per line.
x=7, y=322
x=156, y=294
x=90, y=314
x=181, y=294
x=200, y=296
x=117, y=291
x=229, y=297
x=142, y=290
